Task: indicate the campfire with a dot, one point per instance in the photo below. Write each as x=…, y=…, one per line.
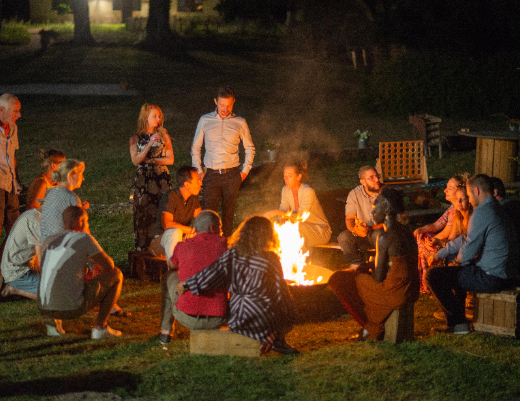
x=296, y=270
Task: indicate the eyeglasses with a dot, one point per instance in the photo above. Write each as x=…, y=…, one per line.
x=372, y=177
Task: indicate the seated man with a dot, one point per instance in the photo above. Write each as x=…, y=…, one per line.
x=177, y=208
x=487, y=257
x=361, y=233
x=21, y=257
x=191, y=256
x=63, y=292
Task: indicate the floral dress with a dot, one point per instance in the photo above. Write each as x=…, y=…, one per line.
x=151, y=182
x=425, y=254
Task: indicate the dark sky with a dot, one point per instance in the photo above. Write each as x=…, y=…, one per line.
x=18, y=9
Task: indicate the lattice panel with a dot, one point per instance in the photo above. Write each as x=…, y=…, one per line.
x=401, y=160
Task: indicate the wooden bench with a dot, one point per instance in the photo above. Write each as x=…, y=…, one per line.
x=498, y=313
x=399, y=326
x=222, y=342
x=145, y=266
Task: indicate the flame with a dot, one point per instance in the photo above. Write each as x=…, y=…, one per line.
x=290, y=251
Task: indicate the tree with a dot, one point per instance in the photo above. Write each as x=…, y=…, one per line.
x=82, y=35
x=158, y=27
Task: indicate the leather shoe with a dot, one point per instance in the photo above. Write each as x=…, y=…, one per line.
x=284, y=348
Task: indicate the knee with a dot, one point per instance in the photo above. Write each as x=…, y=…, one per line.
x=344, y=237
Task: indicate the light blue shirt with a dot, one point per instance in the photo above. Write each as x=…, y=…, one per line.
x=491, y=240
x=222, y=138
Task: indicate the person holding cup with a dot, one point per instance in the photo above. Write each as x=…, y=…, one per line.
x=151, y=151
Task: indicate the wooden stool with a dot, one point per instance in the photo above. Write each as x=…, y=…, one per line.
x=498, y=313
x=400, y=325
x=222, y=342
x=145, y=266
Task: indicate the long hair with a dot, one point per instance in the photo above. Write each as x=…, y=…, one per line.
x=460, y=222
x=67, y=167
x=142, y=120
x=254, y=237
x=49, y=158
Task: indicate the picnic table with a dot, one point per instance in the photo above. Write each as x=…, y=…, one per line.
x=495, y=153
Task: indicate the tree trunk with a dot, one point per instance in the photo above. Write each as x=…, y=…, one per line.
x=158, y=26
x=82, y=35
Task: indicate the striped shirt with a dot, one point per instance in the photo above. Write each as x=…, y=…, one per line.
x=260, y=305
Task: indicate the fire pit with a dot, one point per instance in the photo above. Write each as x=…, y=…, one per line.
x=313, y=299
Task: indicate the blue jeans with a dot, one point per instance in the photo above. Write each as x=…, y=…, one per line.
x=450, y=284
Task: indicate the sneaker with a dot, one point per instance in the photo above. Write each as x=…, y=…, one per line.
x=55, y=329
x=107, y=332
x=164, y=338
x=458, y=329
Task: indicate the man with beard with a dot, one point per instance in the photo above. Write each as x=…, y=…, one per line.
x=361, y=233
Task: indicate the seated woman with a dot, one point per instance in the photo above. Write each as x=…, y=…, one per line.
x=260, y=305
x=300, y=198
x=371, y=293
x=49, y=163
x=442, y=227
x=463, y=211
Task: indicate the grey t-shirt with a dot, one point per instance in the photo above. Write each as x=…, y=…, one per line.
x=360, y=204
x=20, y=247
x=56, y=201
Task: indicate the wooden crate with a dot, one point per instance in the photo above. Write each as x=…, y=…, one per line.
x=399, y=326
x=498, y=313
x=222, y=342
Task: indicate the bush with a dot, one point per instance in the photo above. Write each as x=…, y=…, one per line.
x=444, y=84
x=14, y=33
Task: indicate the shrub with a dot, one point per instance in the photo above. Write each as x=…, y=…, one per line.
x=14, y=33
x=444, y=84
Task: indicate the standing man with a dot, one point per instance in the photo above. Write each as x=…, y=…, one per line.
x=9, y=207
x=361, y=233
x=487, y=256
x=177, y=208
x=221, y=131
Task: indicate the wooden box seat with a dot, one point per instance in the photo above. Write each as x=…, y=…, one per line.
x=145, y=266
x=399, y=326
x=498, y=313
x=222, y=342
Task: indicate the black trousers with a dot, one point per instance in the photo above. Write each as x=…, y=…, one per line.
x=217, y=186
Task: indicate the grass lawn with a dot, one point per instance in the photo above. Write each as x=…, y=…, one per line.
x=306, y=104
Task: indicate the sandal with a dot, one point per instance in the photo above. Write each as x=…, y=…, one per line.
x=121, y=313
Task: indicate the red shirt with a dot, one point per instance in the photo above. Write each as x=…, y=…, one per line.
x=192, y=256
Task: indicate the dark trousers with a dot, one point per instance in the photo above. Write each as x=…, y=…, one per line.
x=9, y=209
x=225, y=186
x=450, y=284
x=352, y=245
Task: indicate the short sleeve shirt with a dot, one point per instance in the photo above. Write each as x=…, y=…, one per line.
x=63, y=270
x=360, y=204
x=20, y=247
x=173, y=202
x=56, y=201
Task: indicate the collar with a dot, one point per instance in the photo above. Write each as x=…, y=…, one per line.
x=230, y=115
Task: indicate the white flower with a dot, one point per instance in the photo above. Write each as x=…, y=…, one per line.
x=362, y=134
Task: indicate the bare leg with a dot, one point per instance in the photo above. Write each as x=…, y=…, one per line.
x=8, y=290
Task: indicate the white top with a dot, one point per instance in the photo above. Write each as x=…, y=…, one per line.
x=64, y=259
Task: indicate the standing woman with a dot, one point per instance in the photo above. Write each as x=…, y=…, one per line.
x=151, y=151
x=49, y=163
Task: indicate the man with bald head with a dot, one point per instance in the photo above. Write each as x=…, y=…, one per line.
x=9, y=207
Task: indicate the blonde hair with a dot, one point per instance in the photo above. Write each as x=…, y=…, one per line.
x=67, y=167
x=460, y=223
x=142, y=120
x=49, y=158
